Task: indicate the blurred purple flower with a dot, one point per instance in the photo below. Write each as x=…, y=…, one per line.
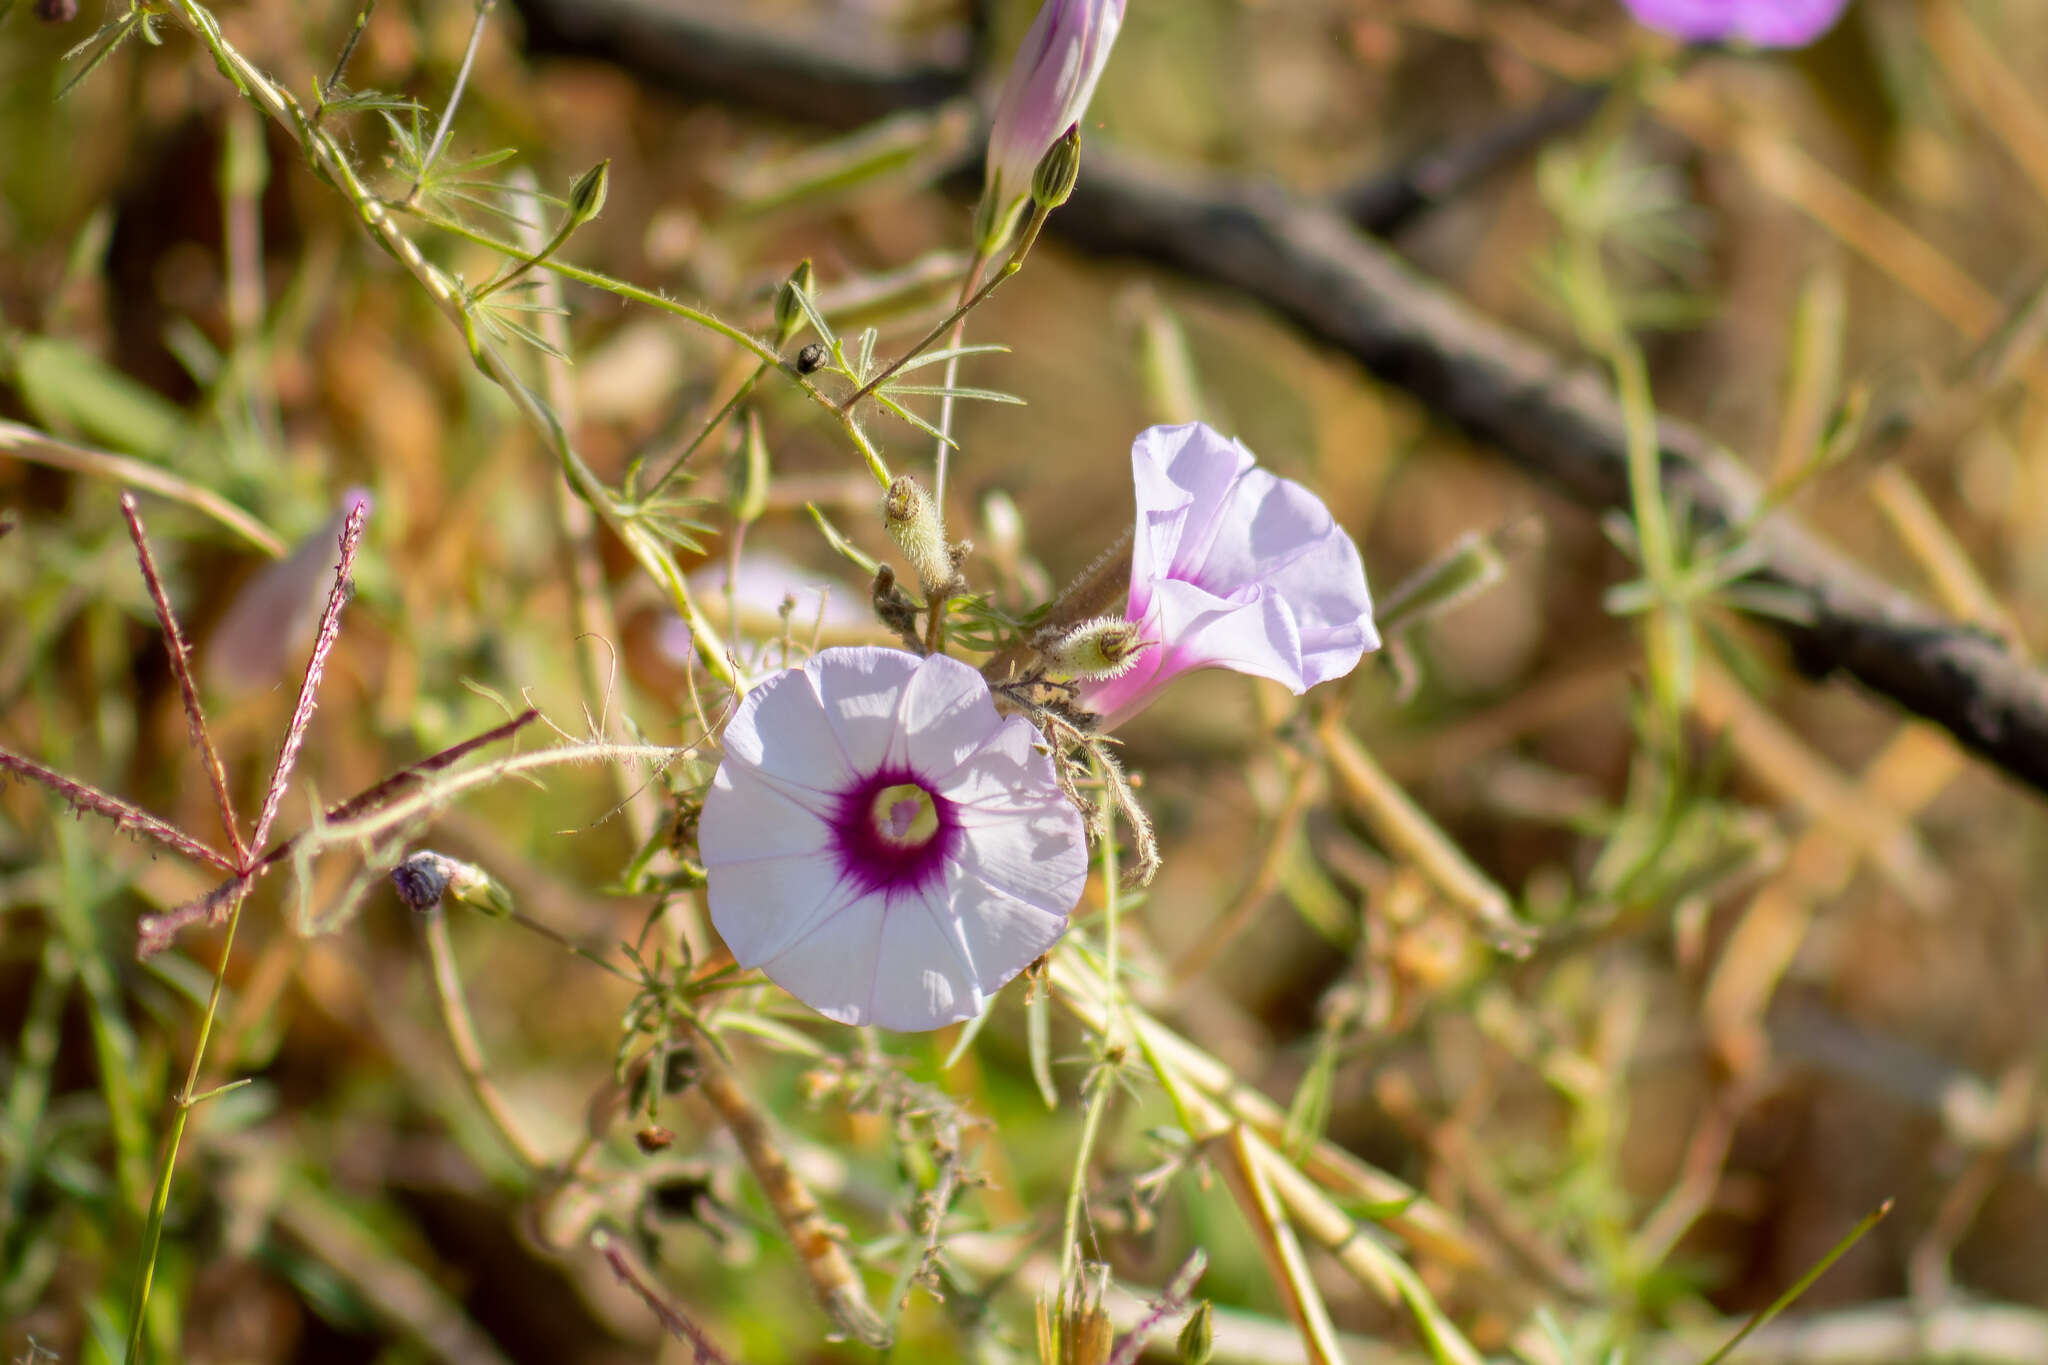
x=882, y=844
x=1759, y=23
x=269, y=626
x=1233, y=567
x=1046, y=92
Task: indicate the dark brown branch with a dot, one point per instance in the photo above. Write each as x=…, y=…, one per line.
x=1559, y=421
x=1309, y=264
x=1390, y=200
x=707, y=49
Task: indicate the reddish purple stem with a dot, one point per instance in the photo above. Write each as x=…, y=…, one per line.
x=82, y=797
x=673, y=1322
x=316, y=666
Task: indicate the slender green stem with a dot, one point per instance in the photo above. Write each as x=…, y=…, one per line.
x=469, y=1053
x=187, y=1100
x=562, y=940
x=717, y=420
x=970, y=298
x=973, y=292
x=1786, y=1299
x=610, y=284
x=1070, y=1236
x=328, y=158
x=1605, y=331
x=1103, y=1080
x=633, y=293
x=476, y=36
x=1112, y=899
x=348, y=50
x=525, y=264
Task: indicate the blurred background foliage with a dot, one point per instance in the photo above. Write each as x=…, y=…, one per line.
x=1799, y=981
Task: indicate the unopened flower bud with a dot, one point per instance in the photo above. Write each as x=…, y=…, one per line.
x=586, y=200
x=1057, y=171
x=789, y=310
x=1046, y=92
x=1197, y=1340
x=912, y=519
x=1102, y=648
x=425, y=877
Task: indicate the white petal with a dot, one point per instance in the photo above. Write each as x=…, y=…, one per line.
x=861, y=689
x=832, y=969
x=782, y=729
x=1034, y=853
x=763, y=907
x=947, y=715
x=746, y=816
x=923, y=976
x=1004, y=935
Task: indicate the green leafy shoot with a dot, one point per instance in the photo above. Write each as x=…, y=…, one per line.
x=104, y=42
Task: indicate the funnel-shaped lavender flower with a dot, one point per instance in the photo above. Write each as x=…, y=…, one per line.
x=1760, y=23
x=1233, y=567
x=882, y=844
x=1046, y=92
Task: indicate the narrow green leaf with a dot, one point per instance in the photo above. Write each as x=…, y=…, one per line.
x=940, y=390
x=1038, y=1037
x=948, y=353
x=866, y=562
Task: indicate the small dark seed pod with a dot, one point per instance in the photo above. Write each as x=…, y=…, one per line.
x=421, y=880
x=810, y=358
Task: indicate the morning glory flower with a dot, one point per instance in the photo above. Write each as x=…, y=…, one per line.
x=1232, y=567
x=1759, y=23
x=882, y=844
x=1046, y=92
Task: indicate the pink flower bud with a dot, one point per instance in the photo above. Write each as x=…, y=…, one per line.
x=1759, y=23
x=1046, y=92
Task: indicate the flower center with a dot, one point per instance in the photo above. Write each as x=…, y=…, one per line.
x=904, y=816
x=893, y=833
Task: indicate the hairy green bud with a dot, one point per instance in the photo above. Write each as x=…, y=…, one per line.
x=1105, y=647
x=913, y=522
x=1057, y=171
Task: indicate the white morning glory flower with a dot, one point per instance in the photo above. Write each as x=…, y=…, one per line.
x=882, y=844
x=1232, y=567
